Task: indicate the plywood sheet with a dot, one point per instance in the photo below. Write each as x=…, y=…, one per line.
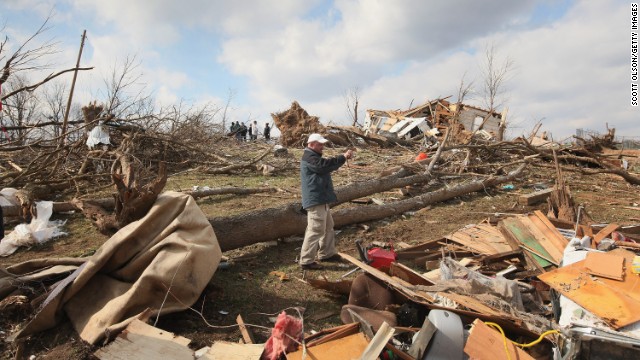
x=606, y=265
x=615, y=302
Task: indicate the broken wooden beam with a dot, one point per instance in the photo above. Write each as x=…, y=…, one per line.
x=502, y=256
x=535, y=197
x=247, y=335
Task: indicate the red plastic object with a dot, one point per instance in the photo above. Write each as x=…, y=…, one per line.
x=381, y=258
x=421, y=156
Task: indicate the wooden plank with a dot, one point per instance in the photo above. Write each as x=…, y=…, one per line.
x=222, y=350
x=332, y=334
x=384, y=334
x=247, y=335
x=482, y=238
x=535, y=197
x=537, y=254
x=422, y=341
x=401, y=285
x=485, y=343
x=524, y=236
x=537, y=230
x=605, y=265
x=502, y=256
x=142, y=328
x=605, y=232
x=408, y=275
x=615, y=302
x=408, y=255
x=143, y=341
x=434, y=275
x=515, y=244
x=424, y=246
x=475, y=305
x=550, y=230
x=348, y=347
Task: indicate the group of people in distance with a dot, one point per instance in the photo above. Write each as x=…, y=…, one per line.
x=242, y=132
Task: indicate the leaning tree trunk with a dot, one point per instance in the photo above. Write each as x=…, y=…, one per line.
x=234, y=232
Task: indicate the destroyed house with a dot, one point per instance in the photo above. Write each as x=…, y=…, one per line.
x=432, y=114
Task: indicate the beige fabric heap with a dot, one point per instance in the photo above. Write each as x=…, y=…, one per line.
x=172, y=247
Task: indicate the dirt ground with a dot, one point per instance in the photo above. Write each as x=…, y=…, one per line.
x=248, y=287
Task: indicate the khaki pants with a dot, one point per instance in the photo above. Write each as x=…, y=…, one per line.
x=319, y=238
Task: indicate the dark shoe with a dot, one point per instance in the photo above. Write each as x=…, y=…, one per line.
x=311, y=266
x=335, y=258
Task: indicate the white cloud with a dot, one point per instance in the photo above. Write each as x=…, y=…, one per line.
x=573, y=71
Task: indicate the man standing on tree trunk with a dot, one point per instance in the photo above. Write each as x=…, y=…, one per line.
x=317, y=194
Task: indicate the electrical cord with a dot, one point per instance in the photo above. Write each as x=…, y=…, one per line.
x=504, y=338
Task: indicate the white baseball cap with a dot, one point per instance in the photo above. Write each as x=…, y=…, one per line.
x=316, y=137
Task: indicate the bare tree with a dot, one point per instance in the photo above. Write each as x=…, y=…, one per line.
x=20, y=109
x=125, y=92
x=26, y=57
x=352, y=99
x=464, y=89
x=54, y=105
x=495, y=75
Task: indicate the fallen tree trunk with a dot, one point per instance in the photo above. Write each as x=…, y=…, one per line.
x=234, y=232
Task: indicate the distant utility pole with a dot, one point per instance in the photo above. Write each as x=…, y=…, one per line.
x=63, y=139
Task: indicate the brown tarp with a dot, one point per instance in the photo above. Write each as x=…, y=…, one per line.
x=173, y=247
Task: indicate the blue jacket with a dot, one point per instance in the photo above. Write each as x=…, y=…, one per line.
x=315, y=175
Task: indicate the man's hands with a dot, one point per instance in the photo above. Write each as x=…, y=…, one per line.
x=349, y=154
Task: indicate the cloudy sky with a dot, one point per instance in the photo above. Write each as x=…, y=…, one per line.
x=571, y=59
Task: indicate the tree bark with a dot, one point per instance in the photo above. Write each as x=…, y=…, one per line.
x=234, y=232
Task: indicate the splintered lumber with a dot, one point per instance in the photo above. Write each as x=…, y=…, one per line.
x=247, y=335
x=507, y=255
x=415, y=294
x=384, y=334
x=422, y=341
x=535, y=197
x=408, y=274
x=485, y=343
x=234, y=232
x=143, y=341
x=615, y=302
x=605, y=232
x=482, y=238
